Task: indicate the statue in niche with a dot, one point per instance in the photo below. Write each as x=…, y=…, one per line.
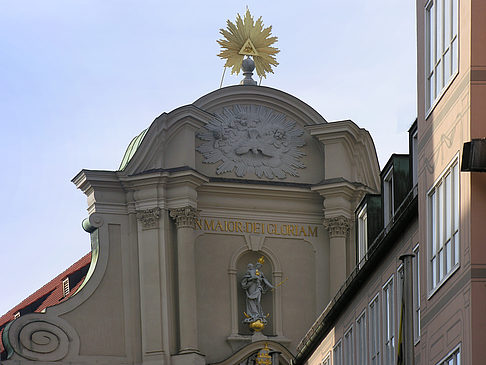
x=255, y=285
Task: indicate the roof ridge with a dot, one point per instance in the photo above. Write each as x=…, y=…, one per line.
x=44, y=289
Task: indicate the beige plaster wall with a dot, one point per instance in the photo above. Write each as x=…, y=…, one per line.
x=298, y=262
x=213, y=253
x=99, y=318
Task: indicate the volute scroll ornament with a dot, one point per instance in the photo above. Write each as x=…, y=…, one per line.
x=40, y=338
x=185, y=217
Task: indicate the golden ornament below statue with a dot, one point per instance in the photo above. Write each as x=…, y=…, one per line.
x=257, y=326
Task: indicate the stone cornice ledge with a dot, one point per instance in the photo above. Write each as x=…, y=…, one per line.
x=188, y=177
x=341, y=188
x=164, y=176
x=341, y=197
x=87, y=179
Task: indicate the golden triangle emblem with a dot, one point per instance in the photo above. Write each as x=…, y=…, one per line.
x=249, y=38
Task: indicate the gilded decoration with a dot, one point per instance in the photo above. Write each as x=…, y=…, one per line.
x=246, y=37
x=337, y=226
x=184, y=217
x=255, y=285
x=253, y=139
x=149, y=218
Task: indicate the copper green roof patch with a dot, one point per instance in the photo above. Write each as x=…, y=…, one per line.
x=131, y=149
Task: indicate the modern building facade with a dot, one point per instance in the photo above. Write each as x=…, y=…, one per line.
x=360, y=325
x=445, y=233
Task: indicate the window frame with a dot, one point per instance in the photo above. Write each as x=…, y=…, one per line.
x=363, y=359
x=377, y=327
x=387, y=341
x=452, y=353
x=432, y=286
x=327, y=359
x=348, y=341
x=337, y=349
x=388, y=198
x=429, y=102
x=65, y=287
x=416, y=293
x=362, y=233
x=414, y=158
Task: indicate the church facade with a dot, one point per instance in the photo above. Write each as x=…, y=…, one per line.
x=229, y=225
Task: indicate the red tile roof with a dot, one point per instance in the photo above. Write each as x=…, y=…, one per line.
x=49, y=295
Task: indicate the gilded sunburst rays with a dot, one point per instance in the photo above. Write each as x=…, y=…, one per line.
x=250, y=38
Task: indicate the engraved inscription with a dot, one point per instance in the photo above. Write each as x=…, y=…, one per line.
x=277, y=229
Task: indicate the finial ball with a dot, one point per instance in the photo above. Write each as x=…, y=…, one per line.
x=248, y=65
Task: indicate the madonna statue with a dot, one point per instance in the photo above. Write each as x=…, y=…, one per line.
x=255, y=285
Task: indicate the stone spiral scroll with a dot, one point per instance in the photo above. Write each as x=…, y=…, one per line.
x=38, y=337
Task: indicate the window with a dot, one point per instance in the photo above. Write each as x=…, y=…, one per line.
x=16, y=315
x=361, y=350
x=388, y=207
x=388, y=323
x=327, y=360
x=416, y=293
x=374, y=312
x=400, y=283
x=453, y=358
x=362, y=233
x=414, y=158
x=441, y=47
x=65, y=287
x=444, y=226
x=337, y=358
x=348, y=354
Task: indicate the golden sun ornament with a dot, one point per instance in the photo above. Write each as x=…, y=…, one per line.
x=248, y=38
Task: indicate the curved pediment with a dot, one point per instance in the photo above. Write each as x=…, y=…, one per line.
x=254, y=133
x=242, y=132
x=277, y=100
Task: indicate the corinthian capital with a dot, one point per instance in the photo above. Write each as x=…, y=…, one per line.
x=184, y=217
x=149, y=217
x=337, y=226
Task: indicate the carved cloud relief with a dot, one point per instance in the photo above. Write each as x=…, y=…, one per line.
x=253, y=139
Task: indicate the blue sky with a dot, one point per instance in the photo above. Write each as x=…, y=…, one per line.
x=79, y=79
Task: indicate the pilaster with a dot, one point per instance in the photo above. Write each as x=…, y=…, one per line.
x=185, y=219
x=338, y=229
x=151, y=256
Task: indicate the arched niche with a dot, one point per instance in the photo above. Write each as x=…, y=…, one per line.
x=251, y=257
x=271, y=301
